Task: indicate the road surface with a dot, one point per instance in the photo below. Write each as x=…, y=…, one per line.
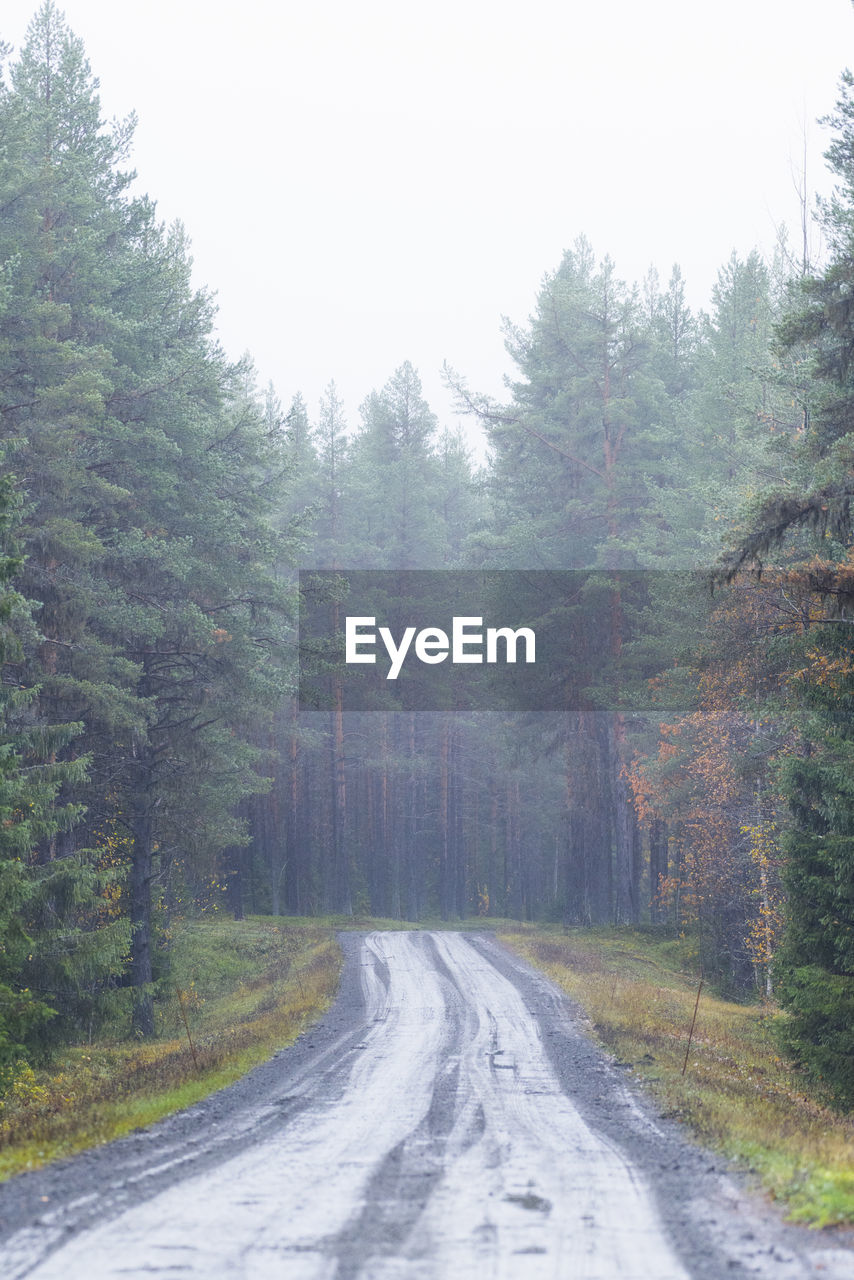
x=447, y=1122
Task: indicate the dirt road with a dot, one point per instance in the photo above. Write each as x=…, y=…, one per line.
x=446, y=1121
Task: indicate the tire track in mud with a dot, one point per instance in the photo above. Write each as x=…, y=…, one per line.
x=406, y=1179
x=446, y=1120
x=538, y=1194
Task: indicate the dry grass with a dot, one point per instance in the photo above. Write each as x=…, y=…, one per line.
x=247, y=989
x=737, y=1094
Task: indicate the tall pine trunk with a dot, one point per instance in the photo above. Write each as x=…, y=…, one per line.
x=141, y=873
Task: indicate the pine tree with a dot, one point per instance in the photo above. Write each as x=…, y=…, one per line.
x=334, y=519
x=151, y=478
x=571, y=448
x=393, y=477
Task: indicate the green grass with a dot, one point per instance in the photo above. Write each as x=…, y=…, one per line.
x=738, y=1095
x=247, y=988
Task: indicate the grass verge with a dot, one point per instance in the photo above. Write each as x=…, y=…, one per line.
x=239, y=991
x=737, y=1094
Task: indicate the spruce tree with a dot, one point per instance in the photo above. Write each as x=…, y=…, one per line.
x=61, y=947
x=805, y=523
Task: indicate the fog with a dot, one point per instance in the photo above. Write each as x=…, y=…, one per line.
x=364, y=184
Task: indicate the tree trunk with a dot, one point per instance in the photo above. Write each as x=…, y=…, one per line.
x=412, y=878
x=140, y=919
x=294, y=870
x=444, y=822
x=657, y=867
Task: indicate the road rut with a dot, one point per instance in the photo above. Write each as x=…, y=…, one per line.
x=436, y=1138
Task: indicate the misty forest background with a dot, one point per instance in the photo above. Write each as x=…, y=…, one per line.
x=156, y=506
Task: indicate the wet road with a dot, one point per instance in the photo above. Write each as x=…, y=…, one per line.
x=444, y=1147
x=432, y=1140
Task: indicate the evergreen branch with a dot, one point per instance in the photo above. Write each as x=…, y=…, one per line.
x=486, y=413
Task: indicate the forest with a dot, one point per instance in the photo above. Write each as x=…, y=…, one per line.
x=161, y=515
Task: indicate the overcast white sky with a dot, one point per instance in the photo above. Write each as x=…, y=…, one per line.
x=379, y=180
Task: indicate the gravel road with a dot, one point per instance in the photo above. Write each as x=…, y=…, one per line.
x=448, y=1119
